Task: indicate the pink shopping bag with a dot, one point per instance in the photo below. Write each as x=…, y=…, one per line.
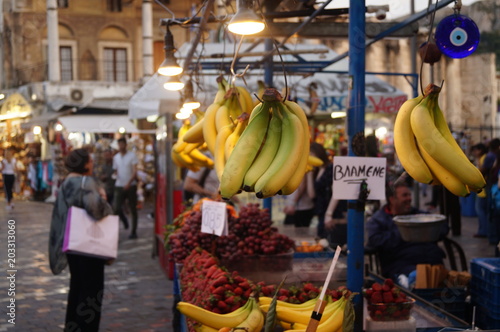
x=85, y=236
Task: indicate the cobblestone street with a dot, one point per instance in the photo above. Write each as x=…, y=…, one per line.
x=138, y=295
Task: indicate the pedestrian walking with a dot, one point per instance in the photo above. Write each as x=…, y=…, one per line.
x=125, y=167
x=86, y=288
x=8, y=167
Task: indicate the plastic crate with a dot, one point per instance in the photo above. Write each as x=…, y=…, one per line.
x=485, y=290
x=450, y=299
x=485, y=321
x=491, y=308
x=486, y=269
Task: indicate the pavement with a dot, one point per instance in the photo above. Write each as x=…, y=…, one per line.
x=138, y=295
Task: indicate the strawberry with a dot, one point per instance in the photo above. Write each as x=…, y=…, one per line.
x=368, y=293
x=377, y=287
x=283, y=298
x=389, y=282
x=376, y=297
x=222, y=305
x=284, y=292
x=238, y=291
x=387, y=297
x=386, y=288
x=308, y=287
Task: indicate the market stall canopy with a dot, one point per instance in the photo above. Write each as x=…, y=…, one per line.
x=307, y=67
x=146, y=101
x=98, y=123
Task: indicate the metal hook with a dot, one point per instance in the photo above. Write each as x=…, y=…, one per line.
x=233, y=63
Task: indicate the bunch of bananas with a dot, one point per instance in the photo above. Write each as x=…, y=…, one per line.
x=270, y=155
x=427, y=149
x=295, y=317
x=248, y=317
x=190, y=155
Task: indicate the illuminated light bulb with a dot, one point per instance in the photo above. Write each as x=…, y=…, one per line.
x=245, y=21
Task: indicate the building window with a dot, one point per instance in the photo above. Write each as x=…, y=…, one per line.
x=115, y=64
x=62, y=3
x=115, y=5
x=66, y=55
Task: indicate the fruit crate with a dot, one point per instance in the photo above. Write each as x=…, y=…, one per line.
x=450, y=299
x=485, y=281
x=487, y=320
x=480, y=300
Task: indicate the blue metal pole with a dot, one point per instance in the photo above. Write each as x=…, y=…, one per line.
x=356, y=126
x=268, y=80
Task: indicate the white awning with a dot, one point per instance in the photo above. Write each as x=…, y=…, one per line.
x=146, y=101
x=97, y=123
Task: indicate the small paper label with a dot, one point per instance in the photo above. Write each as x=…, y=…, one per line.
x=214, y=218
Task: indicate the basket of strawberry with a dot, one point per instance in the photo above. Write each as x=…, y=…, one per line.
x=388, y=303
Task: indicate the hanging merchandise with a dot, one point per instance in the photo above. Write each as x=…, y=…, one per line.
x=457, y=36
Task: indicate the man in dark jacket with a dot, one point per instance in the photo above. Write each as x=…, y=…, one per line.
x=396, y=255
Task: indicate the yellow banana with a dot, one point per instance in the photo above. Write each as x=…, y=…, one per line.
x=209, y=128
x=221, y=90
x=260, y=92
x=244, y=152
x=266, y=154
x=222, y=118
x=431, y=140
x=308, y=305
x=254, y=321
x=220, y=144
x=231, y=141
x=214, y=320
x=200, y=159
x=184, y=128
x=303, y=316
x=331, y=324
x=314, y=161
x=443, y=128
x=204, y=328
x=450, y=181
x=287, y=157
x=293, y=183
x=245, y=99
x=405, y=145
x=190, y=147
x=195, y=133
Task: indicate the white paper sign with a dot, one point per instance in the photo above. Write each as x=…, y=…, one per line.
x=349, y=172
x=214, y=218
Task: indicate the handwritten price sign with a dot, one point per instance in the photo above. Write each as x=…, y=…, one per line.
x=349, y=172
x=214, y=218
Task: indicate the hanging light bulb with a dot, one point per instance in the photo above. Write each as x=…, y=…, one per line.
x=169, y=66
x=181, y=116
x=245, y=21
x=174, y=84
x=189, y=101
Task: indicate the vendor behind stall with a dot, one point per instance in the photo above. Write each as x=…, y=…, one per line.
x=398, y=258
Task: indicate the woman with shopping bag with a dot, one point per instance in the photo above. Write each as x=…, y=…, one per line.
x=86, y=288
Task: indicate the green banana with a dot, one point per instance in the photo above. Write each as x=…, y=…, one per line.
x=244, y=152
x=287, y=157
x=266, y=154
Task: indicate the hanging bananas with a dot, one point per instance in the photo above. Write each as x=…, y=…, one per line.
x=427, y=149
x=270, y=155
x=217, y=129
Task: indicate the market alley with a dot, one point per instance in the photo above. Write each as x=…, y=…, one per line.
x=138, y=295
